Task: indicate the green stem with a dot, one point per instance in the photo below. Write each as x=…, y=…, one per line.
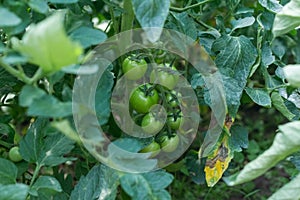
x=5, y=144
x=35, y=173
x=127, y=17
x=189, y=7
x=16, y=73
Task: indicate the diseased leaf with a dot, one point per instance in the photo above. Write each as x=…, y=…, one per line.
x=259, y=96
x=292, y=74
x=100, y=183
x=285, y=143
x=234, y=60
x=13, y=192
x=47, y=45
x=287, y=19
x=279, y=104
x=151, y=14
x=8, y=18
x=271, y=5
x=8, y=172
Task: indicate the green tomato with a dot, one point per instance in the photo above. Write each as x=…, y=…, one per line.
x=14, y=154
x=134, y=69
x=153, y=147
x=141, y=101
x=173, y=99
x=165, y=78
x=151, y=125
x=169, y=144
x=174, y=120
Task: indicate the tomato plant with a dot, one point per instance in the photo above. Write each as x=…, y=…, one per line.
x=61, y=61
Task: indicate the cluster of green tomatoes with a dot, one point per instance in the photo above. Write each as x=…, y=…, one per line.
x=163, y=78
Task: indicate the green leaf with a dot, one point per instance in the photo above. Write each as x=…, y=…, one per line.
x=45, y=186
x=242, y=23
x=267, y=56
x=259, y=96
x=292, y=74
x=271, y=5
x=279, y=104
x=129, y=144
x=47, y=45
x=40, y=6
x=42, y=149
x=183, y=23
x=234, y=60
x=151, y=14
x=29, y=94
x=88, y=36
x=65, y=127
x=49, y=106
x=147, y=185
x=8, y=172
x=63, y=1
x=287, y=19
x=238, y=139
x=289, y=191
x=100, y=183
x=295, y=159
x=285, y=143
x=8, y=18
x=13, y=192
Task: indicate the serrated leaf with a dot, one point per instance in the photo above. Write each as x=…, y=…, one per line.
x=141, y=186
x=271, y=5
x=287, y=19
x=42, y=149
x=8, y=172
x=234, y=61
x=13, y=192
x=259, y=96
x=88, y=36
x=151, y=13
x=8, y=18
x=46, y=44
x=292, y=74
x=242, y=23
x=279, y=104
x=285, y=143
x=45, y=186
x=289, y=191
x=100, y=183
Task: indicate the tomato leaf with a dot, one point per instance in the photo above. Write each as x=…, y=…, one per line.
x=287, y=19
x=8, y=18
x=259, y=96
x=151, y=14
x=285, y=143
x=14, y=192
x=242, y=23
x=279, y=104
x=88, y=36
x=43, y=149
x=8, y=172
x=47, y=45
x=45, y=187
x=235, y=58
x=271, y=5
x=40, y=6
x=292, y=74
x=238, y=138
x=100, y=183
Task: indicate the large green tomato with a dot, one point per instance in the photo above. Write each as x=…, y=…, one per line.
x=14, y=154
x=173, y=99
x=134, y=69
x=174, y=120
x=151, y=125
x=153, y=147
x=141, y=100
x=169, y=144
x=167, y=77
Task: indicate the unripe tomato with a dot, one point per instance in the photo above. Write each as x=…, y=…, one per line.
x=169, y=144
x=134, y=69
x=174, y=120
x=173, y=99
x=141, y=100
x=14, y=154
x=150, y=124
x=153, y=147
x=167, y=77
